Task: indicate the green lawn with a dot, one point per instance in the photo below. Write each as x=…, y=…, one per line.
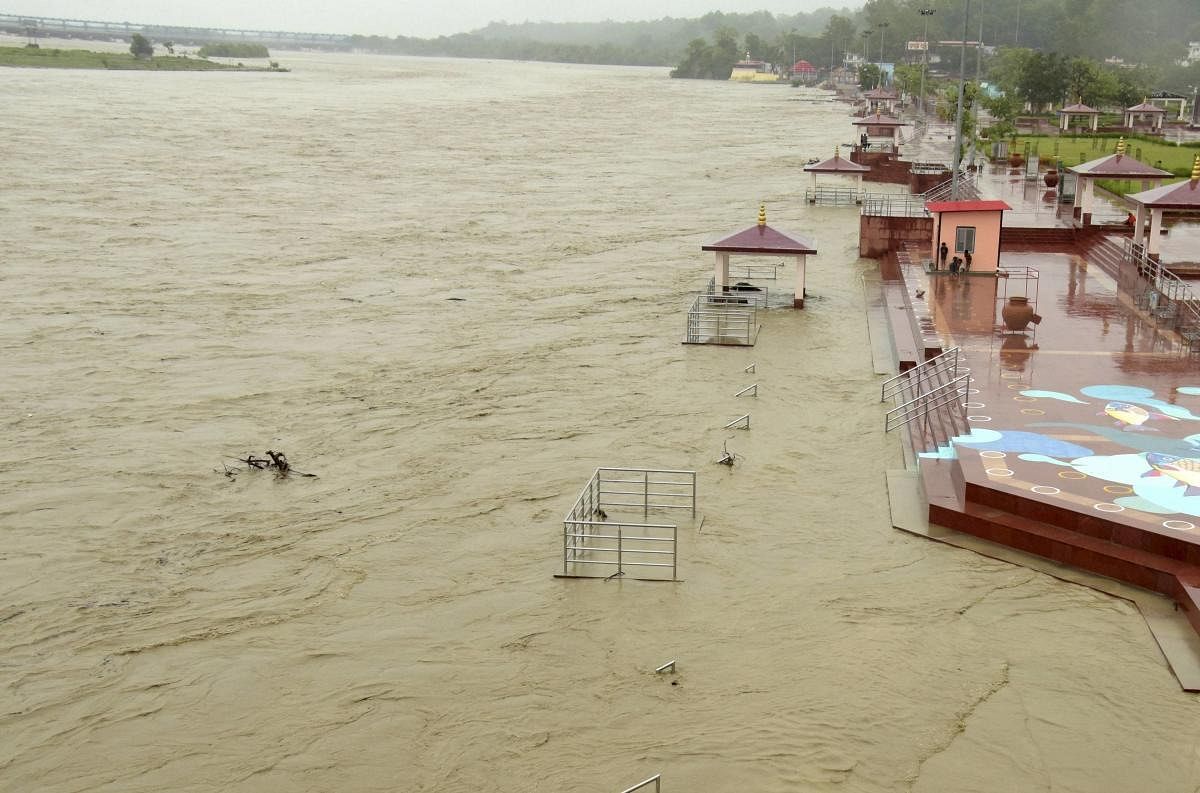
x=1073, y=150
x=45, y=58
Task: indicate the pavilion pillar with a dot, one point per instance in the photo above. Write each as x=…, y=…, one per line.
x=1158, y=120
x=1095, y=121
x=1066, y=119
x=721, y=275
x=814, y=181
x=1086, y=204
x=1128, y=123
x=858, y=188
x=1139, y=226
x=798, y=301
x=1155, y=226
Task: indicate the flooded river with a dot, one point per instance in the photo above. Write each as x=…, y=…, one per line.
x=451, y=289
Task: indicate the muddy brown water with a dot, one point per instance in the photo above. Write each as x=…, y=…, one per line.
x=198, y=266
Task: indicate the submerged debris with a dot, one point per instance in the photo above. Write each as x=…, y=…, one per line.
x=727, y=457
x=276, y=461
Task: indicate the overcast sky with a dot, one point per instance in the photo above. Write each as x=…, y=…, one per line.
x=389, y=17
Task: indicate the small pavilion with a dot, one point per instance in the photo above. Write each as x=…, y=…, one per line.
x=803, y=69
x=839, y=166
x=1078, y=109
x=880, y=100
x=1178, y=197
x=880, y=126
x=761, y=240
x=968, y=226
x=1152, y=115
x=1114, y=166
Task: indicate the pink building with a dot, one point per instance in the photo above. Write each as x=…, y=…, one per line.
x=968, y=226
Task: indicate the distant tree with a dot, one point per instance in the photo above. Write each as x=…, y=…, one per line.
x=868, y=75
x=140, y=46
x=1004, y=110
x=908, y=79
x=169, y=46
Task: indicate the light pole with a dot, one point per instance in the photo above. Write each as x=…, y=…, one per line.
x=958, y=116
x=927, y=13
x=866, y=34
x=882, y=27
x=1017, y=38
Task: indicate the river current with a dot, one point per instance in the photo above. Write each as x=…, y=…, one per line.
x=451, y=289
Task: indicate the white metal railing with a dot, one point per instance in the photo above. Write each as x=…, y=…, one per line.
x=655, y=780
x=721, y=319
x=593, y=536
x=1166, y=294
x=925, y=372
x=755, y=272
x=738, y=293
x=739, y=423
x=833, y=196
x=927, y=402
x=943, y=192
x=894, y=205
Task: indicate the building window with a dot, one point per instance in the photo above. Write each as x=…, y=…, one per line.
x=964, y=239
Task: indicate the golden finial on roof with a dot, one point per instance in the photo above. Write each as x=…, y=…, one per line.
x=762, y=214
x=837, y=152
x=1121, y=146
x=1196, y=168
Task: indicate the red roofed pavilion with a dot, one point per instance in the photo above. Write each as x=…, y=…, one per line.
x=1113, y=166
x=1078, y=109
x=761, y=240
x=838, y=165
x=880, y=99
x=803, y=68
x=1178, y=197
x=1155, y=113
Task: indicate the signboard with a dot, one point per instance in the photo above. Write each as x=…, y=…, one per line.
x=918, y=45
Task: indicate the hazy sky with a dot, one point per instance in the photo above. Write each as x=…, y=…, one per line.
x=389, y=17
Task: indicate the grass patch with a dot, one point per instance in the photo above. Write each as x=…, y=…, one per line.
x=44, y=58
x=1073, y=150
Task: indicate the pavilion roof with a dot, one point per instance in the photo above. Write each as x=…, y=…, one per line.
x=879, y=120
x=880, y=93
x=837, y=164
x=1118, y=166
x=1145, y=107
x=761, y=238
x=1179, y=195
x=1079, y=108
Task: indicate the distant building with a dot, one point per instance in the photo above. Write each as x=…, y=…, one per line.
x=752, y=72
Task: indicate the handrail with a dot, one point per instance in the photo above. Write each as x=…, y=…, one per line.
x=935, y=365
x=655, y=779
x=1167, y=283
x=926, y=403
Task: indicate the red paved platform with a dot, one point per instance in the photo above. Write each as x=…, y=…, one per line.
x=1083, y=440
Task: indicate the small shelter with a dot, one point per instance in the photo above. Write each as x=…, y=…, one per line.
x=838, y=166
x=879, y=127
x=1078, y=109
x=880, y=100
x=1177, y=197
x=761, y=240
x=968, y=226
x=1113, y=166
x=803, y=69
x=1152, y=115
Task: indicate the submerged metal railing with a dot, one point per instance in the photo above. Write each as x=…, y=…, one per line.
x=739, y=293
x=727, y=318
x=1167, y=296
x=656, y=780
x=927, y=402
x=833, y=196
x=595, y=533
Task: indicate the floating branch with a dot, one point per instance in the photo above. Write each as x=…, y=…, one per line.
x=276, y=461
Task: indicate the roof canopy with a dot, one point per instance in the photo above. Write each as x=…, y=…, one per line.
x=837, y=164
x=762, y=239
x=1180, y=195
x=1079, y=109
x=967, y=206
x=880, y=93
x=879, y=120
x=803, y=66
x=1118, y=166
x=1145, y=107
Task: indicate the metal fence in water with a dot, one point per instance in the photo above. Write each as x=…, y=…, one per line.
x=726, y=318
x=600, y=542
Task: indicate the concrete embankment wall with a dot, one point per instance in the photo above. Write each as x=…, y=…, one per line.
x=878, y=235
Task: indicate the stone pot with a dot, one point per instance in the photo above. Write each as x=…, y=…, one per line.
x=1017, y=313
x=1015, y=160
x=1051, y=178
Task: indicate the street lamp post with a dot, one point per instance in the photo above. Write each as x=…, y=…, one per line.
x=958, y=117
x=927, y=13
x=882, y=27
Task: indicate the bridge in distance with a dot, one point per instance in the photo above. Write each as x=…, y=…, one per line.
x=38, y=26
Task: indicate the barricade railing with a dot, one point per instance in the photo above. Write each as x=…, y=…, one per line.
x=833, y=196
x=655, y=780
x=727, y=318
x=740, y=292
x=1164, y=290
x=893, y=205
x=596, y=533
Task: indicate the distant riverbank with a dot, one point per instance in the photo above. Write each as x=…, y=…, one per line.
x=46, y=58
